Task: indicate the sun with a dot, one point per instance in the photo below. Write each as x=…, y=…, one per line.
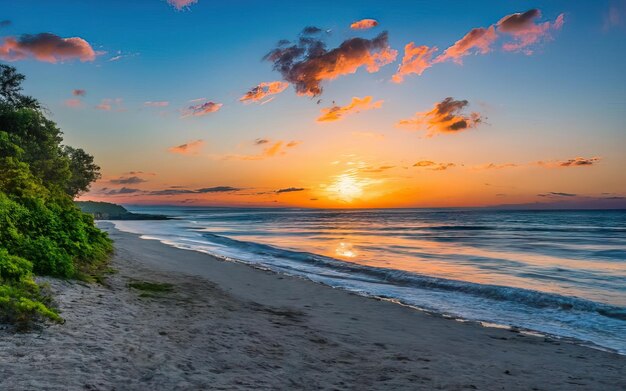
x=346, y=187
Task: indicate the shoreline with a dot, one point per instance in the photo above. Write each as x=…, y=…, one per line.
x=227, y=325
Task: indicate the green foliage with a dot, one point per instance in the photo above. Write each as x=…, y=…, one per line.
x=41, y=229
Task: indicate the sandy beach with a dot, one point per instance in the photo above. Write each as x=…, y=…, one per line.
x=225, y=325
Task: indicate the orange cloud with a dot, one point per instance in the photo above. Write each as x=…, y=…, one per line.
x=575, y=162
x=201, y=109
x=275, y=148
x=525, y=31
x=307, y=63
x=181, y=4
x=335, y=113
x=477, y=40
x=46, y=47
x=445, y=117
x=494, y=166
x=415, y=61
x=189, y=148
x=434, y=166
x=263, y=90
x=364, y=24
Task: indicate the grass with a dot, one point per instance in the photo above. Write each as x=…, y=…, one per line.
x=148, y=289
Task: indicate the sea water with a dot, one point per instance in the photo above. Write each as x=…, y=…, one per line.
x=562, y=273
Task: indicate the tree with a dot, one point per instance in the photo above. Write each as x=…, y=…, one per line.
x=10, y=87
x=83, y=171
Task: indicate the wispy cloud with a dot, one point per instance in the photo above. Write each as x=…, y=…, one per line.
x=46, y=47
x=335, y=113
x=430, y=165
x=289, y=190
x=260, y=92
x=127, y=180
x=189, y=148
x=307, y=63
x=79, y=92
x=161, y=103
x=205, y=190
x=364, y=24
x=109, y=104
x=201, y=109
x=575, y=162
x=525, y=30
x=446, y=117
x=73, y=103
x=123, y=190
x=270, y=149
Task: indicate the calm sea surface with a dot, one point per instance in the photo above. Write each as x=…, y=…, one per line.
x=556, y=272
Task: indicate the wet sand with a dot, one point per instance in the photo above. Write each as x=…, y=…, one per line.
x=229, y=326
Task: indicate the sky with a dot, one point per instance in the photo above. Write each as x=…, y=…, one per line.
x=334, y=104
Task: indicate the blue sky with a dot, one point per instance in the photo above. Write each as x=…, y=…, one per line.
x=565, y=100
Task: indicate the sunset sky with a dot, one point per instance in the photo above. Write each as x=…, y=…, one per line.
x=333, y=103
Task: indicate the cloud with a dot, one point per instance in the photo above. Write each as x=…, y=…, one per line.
x=434, y=166
x=335, y=113
x=415, y=61
x=494, y=166
x=5, y=23
x=275, y=148
x=181, y=4
x=307, y=63
x=202, y=109
x=524, y=30
x=123, y=190
x=79, y=92
x=156, y=104
x=131, y=180
x=478, y=40
x=73, y=103
x=614, y=17
x=557, y=194
x=110, y=104
x=139, y=173
x=263, y=90
x=46, y=47
x=204, y=190
x=575, y=162
x=364, y=24
x=190, y=148
x=445, y=117
x=371, y=169
x=289, y=190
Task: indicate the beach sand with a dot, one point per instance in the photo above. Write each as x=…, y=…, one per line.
x=229, y=326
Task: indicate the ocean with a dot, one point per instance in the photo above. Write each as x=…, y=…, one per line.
x=559, y=273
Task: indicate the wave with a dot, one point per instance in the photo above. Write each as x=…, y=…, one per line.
x=527, y=297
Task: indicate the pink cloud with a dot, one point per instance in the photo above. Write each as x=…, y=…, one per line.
x=79, y=92
x=46, y=47
x=110, y=104
x=181, y=4
x=415, y=61
x=73, y=103
x=263, y=90
x=201, y=109
x=478, y=40
x=189, y=148
x=335, y=113
x=525, y=31
x=364, y=24
x=156, y=104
